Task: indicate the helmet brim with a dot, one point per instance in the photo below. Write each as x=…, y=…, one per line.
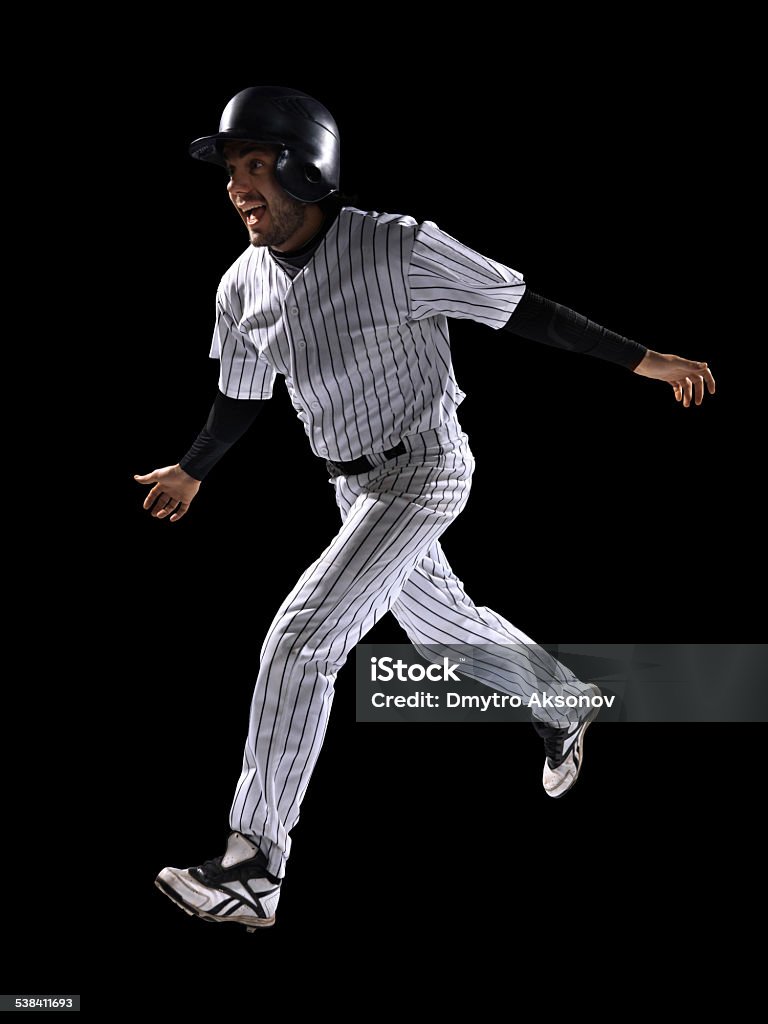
x=209, y=147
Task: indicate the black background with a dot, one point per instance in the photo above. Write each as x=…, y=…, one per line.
x=600, y=508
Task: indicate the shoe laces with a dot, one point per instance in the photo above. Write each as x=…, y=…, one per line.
x=212, y=867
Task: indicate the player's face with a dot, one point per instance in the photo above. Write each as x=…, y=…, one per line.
x=271, y=216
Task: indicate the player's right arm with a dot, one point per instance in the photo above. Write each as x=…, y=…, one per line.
x=172, y=494
x=245, y=383
x=176, y=486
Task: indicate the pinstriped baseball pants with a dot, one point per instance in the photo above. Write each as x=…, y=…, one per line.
x=386, y=556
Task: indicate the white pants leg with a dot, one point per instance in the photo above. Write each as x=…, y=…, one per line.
x=434, y=609
x=391, y=516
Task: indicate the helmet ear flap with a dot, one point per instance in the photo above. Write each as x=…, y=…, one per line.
x=286, y=169
x=300, y=177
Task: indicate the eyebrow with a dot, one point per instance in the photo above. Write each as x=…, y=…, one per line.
x=252, y=149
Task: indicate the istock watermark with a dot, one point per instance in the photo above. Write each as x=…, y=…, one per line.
x=384, y=670
x=517, y=681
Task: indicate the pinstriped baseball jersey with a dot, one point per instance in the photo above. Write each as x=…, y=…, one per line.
x=360, y=334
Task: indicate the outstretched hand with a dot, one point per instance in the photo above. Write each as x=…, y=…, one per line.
x=172, y=494
x=688, y=378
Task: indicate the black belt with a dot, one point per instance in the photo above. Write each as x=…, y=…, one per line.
x=363, y=464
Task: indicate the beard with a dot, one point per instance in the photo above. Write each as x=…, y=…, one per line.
x=285, y=217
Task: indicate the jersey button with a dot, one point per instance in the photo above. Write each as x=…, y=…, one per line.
x=301, y=344
x=294, y=310
x=315, y=405
x=323, y=451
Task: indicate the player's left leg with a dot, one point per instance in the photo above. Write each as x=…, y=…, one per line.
x=440, y=619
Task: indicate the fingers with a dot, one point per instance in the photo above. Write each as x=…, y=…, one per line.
x=702, y=377
x=691, y=389
x=164, y=508
x=165, y=504
x=683, y=390
x=162, y=501
x=153, y=494
x=689, y=379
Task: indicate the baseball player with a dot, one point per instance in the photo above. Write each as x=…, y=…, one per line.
x=351, y=307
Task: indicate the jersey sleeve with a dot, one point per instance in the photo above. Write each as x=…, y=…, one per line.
x=243, y=371
x=447, y=277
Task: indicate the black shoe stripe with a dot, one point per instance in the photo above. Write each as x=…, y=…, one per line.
x=255, y=906
x=220, y=906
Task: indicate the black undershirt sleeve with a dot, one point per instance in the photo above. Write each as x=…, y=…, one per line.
x=539, y=319
x=228, y=420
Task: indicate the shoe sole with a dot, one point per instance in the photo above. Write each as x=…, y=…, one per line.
x=251, y=923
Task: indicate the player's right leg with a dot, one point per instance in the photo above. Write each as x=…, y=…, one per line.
x=395, y=512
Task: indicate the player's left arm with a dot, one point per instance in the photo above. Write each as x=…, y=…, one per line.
x=551, y=323
x=688, y=378
x=446, y=277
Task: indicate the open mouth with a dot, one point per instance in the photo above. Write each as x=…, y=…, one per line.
x=253, y=214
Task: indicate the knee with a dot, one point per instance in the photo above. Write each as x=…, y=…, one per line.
x=278, y=641
x=299, y=637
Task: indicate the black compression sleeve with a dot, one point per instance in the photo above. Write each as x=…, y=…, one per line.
x=228, y=420
x=550, y=323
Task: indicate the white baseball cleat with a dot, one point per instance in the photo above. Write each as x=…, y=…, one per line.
x=564, y=750
x=234, y=887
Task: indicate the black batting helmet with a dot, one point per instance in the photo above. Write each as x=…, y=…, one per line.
x=308, y=164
